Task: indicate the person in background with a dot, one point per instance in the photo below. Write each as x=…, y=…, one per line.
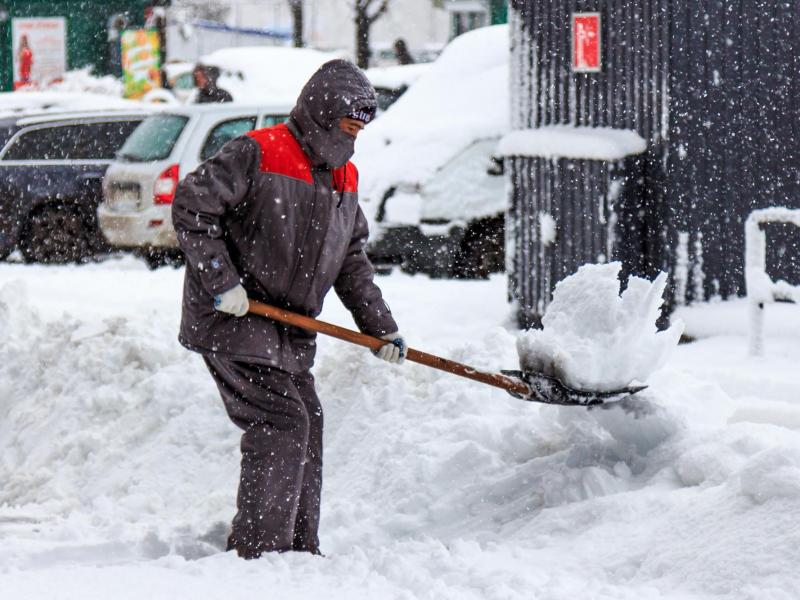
x=274, y=217
x=401, y=52
x=205, y=78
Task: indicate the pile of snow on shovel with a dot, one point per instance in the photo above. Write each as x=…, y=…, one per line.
x=596, y=338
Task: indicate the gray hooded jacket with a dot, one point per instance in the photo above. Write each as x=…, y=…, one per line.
x=277, y=210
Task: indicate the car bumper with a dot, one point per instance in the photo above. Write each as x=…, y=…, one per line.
x=419, y=250
x=151, y=227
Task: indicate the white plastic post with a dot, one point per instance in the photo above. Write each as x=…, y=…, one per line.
x=760, y=288
x=755, y=273
x=756, y=341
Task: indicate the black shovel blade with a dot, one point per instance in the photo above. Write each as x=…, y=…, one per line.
x=551, y=390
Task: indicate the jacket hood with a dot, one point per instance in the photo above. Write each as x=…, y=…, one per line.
x=336, y=90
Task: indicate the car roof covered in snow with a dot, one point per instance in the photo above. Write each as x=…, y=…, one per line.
x=463, y=97
x=257, y=73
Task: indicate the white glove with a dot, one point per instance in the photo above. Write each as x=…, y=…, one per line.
x=394, y=351
x=234, y=301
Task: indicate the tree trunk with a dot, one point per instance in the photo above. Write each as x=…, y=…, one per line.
x=362, y=38
x=297, y=22
x=364, y=18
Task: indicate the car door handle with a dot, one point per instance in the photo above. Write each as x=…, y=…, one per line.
x=92, y=175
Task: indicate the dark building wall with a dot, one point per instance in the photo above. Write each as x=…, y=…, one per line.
x=579, y=196
x=734, y=121
x=711, y=86
x=633, y=95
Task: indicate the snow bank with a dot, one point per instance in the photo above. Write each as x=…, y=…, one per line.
x=273, y=73
x=463, y=97
x=565, y=141
x=595, y=338
x=119, y=465
x=82, y=80
x=107, y=416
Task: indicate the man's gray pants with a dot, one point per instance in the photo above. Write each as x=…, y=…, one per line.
x=281, y=477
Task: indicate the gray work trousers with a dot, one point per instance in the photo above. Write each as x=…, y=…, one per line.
x=281, y=475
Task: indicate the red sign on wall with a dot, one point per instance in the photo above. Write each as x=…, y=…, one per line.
x=586, y=42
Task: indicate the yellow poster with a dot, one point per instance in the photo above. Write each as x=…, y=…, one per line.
x=141, y=62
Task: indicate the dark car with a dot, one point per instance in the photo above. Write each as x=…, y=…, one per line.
x=51, y=172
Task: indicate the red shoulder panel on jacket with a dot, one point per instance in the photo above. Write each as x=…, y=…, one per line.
x=281, y=153
x=345, y=179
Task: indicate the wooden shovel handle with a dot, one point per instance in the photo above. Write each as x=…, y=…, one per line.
x=354, y=337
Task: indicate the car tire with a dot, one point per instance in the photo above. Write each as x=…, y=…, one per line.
x=482, y=250
x=155, y=258
x=55, y=235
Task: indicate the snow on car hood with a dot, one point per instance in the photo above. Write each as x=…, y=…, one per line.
x=462, y=98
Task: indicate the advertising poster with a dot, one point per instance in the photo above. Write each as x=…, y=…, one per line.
x=141, y=62
x=39, y=46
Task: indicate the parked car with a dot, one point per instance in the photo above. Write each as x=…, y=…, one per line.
x=51, y=168
x=432, y=189
x=140, y=185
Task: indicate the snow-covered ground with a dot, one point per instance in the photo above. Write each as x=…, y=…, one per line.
x=118, y=466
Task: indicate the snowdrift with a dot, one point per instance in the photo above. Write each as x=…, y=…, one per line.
x=115, y=452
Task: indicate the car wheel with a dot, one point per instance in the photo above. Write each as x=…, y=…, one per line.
x=156, y=258
x=482, y=250
x=55, y=235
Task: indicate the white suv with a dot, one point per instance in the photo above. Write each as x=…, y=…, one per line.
x=139, y=185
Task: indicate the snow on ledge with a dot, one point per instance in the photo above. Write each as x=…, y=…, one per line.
x=564, y=141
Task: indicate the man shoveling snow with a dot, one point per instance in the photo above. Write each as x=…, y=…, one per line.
x=274, y=217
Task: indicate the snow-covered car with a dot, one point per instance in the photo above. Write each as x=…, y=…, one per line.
x=51, y=168
x=434, y=194
x=140, y=184
x=252, y=74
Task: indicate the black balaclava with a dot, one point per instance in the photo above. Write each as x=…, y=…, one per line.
x=338, y=89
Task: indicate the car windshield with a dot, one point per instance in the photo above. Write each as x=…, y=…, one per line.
x=153, y=139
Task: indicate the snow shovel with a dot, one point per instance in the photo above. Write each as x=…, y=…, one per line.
x=533, y=387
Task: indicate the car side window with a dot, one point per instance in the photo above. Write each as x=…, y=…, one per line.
x=224, y=133
x=272, y=120
x=47, y=143
x=100, y=141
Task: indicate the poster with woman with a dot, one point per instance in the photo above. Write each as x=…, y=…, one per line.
x=39, y=49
